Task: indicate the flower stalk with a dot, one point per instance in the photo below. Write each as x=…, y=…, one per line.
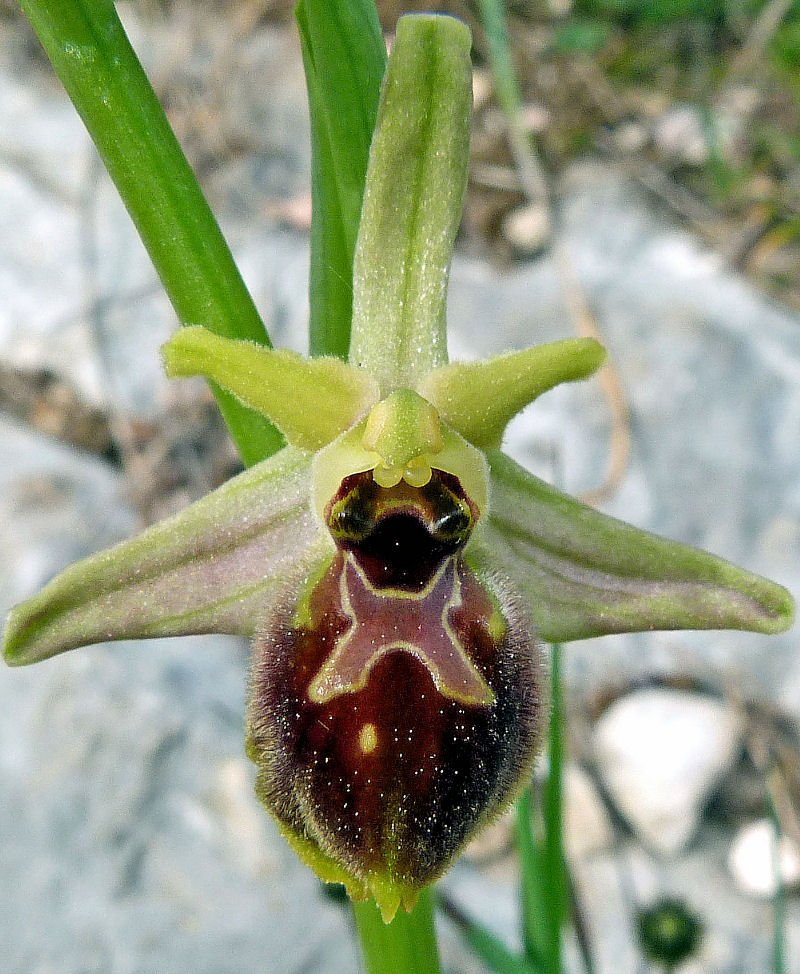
x=407, y=945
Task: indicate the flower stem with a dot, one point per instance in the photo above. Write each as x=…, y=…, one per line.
x=92, y=56
x=407, y=945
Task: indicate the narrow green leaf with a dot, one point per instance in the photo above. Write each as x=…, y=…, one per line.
x=213, y=567
x=311, y=401
x=529, y=169
x=586, y=574
x=88, y=48
x=779, y=898
x=554, y=871
x=479, y=399
x=505, y=77
x=491, y=949
x=543, y=869
x=412, y=203
x=532, y=884
x=407, y=945
x=345, y=58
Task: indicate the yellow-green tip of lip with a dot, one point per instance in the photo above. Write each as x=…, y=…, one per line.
x=390, y=895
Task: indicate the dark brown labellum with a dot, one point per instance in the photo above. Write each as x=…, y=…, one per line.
x=394, y=710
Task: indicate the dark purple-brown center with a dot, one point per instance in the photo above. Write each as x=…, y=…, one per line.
x=395, y=709
x=400, y=535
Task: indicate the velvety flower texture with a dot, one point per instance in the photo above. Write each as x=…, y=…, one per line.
x=394, y=568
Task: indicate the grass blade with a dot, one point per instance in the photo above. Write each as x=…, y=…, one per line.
x=532, y=907
x=554, y=870
x=92, y=56
x=345, y=58
x=779, y=899
x=542, y=868
x=491, y=950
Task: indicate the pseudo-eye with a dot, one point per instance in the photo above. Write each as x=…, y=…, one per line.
x=396, y=703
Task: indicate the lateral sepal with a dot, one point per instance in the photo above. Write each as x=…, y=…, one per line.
x=585, y=574
x=214, y=567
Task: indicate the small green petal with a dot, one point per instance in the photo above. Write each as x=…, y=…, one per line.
x=479, y=399
x=357, y=450
x=413, y=200
x=405, y=431
x=215, y=567
x=311, y=401
x=586, y=574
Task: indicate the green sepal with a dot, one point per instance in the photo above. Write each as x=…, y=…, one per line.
x=311, y=401
x=585, y=574
x=214, y=567
x=479, y=399
x=413, y=200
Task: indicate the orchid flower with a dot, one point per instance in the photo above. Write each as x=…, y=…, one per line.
x=396, y=571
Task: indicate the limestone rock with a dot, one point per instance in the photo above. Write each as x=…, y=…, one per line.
x=751, y=859
x=527, y=228
x=661, y=753
x=680, y=136
x=587, y=825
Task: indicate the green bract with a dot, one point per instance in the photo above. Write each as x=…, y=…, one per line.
x=393, y=566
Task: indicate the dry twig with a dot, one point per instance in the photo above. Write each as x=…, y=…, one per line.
x=610, y=383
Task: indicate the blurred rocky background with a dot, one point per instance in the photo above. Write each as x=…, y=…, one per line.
x=655, y=201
